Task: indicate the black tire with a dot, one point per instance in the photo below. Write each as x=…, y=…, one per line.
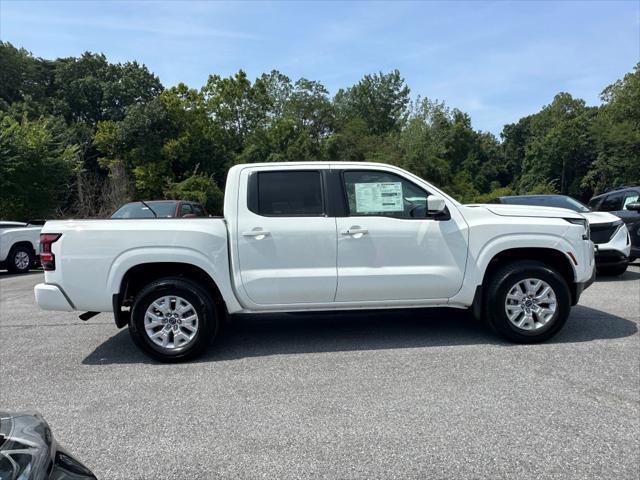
x=499, y=286
x=612, y=271
x=198, y=297
x=15, y=260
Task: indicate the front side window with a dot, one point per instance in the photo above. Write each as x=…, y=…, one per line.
x=289, y=193
x=375, y=193
x=199, y=211
x=612, y=203
x=630, y=197
x=185, y=209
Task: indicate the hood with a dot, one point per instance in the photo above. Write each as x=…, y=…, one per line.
x=596, y=218
x=28, y=451
x=527, y=211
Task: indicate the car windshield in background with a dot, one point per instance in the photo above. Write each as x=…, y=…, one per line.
x=139, y=210
x=557, y=201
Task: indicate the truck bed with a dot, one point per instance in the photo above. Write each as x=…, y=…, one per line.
x=94, y=255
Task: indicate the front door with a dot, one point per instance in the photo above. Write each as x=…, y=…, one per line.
x=388, y=249
x=286, y=243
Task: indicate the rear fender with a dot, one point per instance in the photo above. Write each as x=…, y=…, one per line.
x=217, y=268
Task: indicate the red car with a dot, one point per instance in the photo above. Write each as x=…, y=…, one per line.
x=160, y=209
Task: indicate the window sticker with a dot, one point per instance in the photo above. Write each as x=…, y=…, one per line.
x=379, y=197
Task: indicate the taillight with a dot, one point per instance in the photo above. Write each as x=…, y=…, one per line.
x=47, y=258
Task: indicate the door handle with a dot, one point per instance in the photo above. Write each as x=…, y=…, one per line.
x=355, y=231
x=256, y=233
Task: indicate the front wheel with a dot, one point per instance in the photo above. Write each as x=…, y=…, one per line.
x=527, y=302
x=173, y=319
x=21, y=259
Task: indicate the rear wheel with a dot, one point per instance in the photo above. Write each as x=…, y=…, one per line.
x=173, y=319
x=21, y=259
x=527, y=302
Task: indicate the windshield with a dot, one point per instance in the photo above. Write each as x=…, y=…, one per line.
x=138, y=210
x=557, y=201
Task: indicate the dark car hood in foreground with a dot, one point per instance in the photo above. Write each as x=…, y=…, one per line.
x=28, y=451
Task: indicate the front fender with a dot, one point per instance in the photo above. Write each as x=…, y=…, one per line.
x=510, y=241
x=480, y=257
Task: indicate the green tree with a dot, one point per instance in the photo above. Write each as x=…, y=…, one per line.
x=199, y=188
x=381, y=100
x=36, y=167
x=617, y=136
x=554, y=145
x=237, y=107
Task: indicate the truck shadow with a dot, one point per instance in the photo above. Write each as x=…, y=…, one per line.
x=8, y=274
x=626, y=276
x=282, y=334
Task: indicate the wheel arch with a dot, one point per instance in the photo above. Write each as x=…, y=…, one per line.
x=23, y=243
x=140, y=275
x=552, y=257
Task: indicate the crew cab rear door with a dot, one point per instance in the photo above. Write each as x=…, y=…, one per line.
x=286, y=243
x=387, y=252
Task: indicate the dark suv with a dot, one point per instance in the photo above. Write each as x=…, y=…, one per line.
x=623, y=202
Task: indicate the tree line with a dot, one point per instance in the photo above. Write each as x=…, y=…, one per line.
x=80, y=135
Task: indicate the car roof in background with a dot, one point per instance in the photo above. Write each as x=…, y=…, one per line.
x=617, y=190
x=548, y=195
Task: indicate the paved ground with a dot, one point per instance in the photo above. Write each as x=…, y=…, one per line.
x=428, y=394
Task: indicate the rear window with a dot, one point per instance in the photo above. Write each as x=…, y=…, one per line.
x=288, y=193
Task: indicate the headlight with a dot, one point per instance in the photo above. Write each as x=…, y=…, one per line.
x=585, y=224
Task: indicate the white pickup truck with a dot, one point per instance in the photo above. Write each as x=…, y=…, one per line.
x=319, y=236
x=18, y=246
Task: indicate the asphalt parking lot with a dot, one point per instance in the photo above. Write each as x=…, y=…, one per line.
x=423, y=394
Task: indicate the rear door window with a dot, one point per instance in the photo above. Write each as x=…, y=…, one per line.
x=288, y=193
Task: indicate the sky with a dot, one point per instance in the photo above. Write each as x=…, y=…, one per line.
x=496, y=60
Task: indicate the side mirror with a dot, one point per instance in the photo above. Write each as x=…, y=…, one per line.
x=435, y=204
x=635, y=206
